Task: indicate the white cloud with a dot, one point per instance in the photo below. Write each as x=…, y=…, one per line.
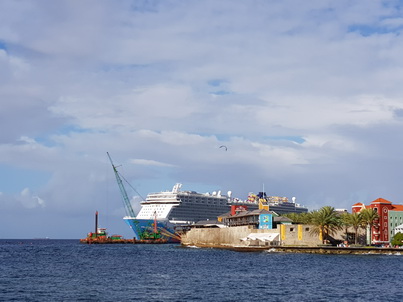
x=30, y=201
x=149, y=162
x=393, y=22
x=162, y=85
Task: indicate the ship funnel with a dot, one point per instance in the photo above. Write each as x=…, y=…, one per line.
x=229, y=193
x=176, y=188
x=96, y=224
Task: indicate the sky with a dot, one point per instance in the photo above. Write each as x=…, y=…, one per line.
x=306, y=96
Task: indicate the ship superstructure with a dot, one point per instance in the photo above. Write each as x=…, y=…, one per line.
x=278, y=204
x=183, y=207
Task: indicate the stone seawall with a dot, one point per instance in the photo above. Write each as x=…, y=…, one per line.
x=216, y=236
x=339, y=250
x=329, y=250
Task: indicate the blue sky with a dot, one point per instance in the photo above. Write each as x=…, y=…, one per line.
x=307, y=99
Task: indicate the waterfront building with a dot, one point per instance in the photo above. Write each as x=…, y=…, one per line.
x=260, y=219
x=390, y=216
x=395, y=221
x=398, y=229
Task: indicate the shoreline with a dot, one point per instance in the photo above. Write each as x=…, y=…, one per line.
x=324, y=250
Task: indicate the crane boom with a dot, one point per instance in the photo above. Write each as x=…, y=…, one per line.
x=128, y=206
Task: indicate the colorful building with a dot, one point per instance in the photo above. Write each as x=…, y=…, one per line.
x=398, y=229
x=395, y=222
x=261, y=219
x=390, y=216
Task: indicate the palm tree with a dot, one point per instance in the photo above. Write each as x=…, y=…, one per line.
x=306, y=218
x=299, y=218
x=295, y=217
x=345, y=221
x=355, y=220
x=368, y=217
x=326, y=222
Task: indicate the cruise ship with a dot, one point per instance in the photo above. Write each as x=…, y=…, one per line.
x=162, y=211
x=168, y=209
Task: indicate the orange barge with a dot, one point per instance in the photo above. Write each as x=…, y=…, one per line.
x=100, y=236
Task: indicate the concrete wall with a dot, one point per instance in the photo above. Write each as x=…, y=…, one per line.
x=218, y=236
x=341, y=235
x=292, y=235
x=298, y=234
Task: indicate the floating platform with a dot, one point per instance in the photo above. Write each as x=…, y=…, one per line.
x=121, y=241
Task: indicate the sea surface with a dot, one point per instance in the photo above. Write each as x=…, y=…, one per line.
x=65, y=270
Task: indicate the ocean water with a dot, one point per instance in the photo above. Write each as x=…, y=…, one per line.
x=65, y=270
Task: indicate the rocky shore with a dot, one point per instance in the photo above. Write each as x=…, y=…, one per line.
x=331, y=250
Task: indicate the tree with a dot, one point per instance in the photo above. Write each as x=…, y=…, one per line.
x=397, y=239
x=326, y=222
x=299, y=218
x=345, y=221
x=354, y=220
x=368, y=219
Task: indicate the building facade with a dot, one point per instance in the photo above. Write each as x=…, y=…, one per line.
x=390, y=216
x=395, y=222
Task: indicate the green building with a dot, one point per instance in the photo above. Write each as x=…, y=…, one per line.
x=395, y=219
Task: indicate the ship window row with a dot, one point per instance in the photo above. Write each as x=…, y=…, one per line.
x=204, y=201
x=158, y=206
x=152, y=212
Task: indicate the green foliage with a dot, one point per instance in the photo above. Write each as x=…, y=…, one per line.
x=345, y=219
x=299, y=218
x=326, y=221
x=355, y=220
x=368, y=216
x=397, y=239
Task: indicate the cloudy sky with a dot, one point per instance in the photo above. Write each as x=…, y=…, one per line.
x=307, y=97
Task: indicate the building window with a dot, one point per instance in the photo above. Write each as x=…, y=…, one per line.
x=291, y=229
x=306, y=229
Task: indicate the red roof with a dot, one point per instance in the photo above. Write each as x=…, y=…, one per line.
x=381, y=200
x=397, y=207
x=358, y=204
